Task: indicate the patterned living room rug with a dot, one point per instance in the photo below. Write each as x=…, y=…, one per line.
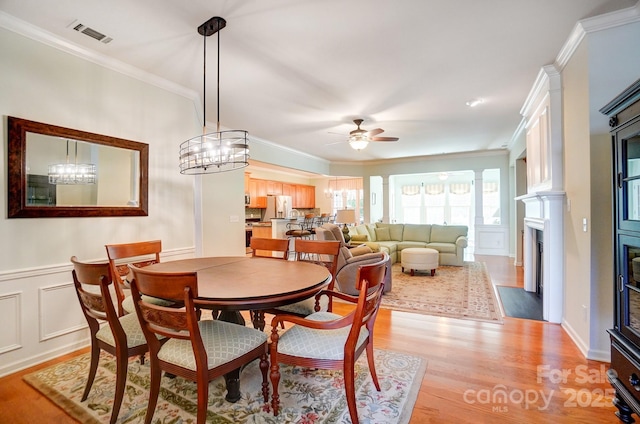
x=306, y=396
x=464, y=292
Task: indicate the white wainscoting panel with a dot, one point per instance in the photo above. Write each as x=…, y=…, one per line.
x=41, y=316
x=60, y=311
x=492, y=240
x=10, y=316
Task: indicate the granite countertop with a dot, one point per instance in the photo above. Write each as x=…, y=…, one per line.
x=261, y=224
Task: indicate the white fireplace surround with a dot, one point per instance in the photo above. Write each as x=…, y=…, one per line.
x=544, y=211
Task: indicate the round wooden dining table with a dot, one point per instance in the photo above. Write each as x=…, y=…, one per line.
x=232, y=284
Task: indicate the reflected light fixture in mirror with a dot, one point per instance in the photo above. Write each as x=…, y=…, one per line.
x=222, y=150
x=72, y=173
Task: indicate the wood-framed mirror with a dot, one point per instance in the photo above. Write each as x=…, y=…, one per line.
x=44, y=173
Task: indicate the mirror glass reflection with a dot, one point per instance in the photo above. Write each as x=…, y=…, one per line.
x=117, y=173
x=58, y=172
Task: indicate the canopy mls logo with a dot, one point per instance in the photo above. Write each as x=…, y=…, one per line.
x=500, y=396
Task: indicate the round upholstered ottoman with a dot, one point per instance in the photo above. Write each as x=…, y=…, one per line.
x=420, y=259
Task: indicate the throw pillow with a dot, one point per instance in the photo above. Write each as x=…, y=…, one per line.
x=375, y=247
x=382, y=234
x=359, y=237
x=360, y=250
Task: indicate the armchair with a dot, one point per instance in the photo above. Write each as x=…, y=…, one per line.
x=349, y=260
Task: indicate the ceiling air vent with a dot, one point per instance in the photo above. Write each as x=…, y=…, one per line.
x=92, y=33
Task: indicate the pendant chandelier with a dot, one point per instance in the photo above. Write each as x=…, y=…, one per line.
x=218, y=151
x=72, y=173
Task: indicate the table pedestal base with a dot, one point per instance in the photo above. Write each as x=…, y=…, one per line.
x=232, y=379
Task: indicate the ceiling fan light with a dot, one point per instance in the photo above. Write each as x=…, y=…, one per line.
x=358, y=143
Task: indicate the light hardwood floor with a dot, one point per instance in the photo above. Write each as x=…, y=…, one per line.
x=469, y=365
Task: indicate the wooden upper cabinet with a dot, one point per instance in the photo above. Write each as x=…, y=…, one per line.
x=274, y=188
x=289, y=190
x=305, y=197
x=247, y=178
x=261, y=187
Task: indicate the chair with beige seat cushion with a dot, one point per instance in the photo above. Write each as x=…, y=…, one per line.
x=330, y=341
x=196, y=350
x=141, y=253
x=122, y=336
x=319, y=252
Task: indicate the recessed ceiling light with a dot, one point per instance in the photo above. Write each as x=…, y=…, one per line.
x=474, y=102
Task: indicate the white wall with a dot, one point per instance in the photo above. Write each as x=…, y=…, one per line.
x=577, y=278
x=41, y=83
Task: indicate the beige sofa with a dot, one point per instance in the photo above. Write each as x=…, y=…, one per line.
x=350, y=259
x=449, y=240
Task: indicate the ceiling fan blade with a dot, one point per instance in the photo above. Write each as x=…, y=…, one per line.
x=335, y=142
x=375, y=132
x=383, y=139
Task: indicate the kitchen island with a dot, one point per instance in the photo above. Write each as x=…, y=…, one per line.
x=276, y=228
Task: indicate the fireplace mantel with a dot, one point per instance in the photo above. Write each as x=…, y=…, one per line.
x=544, y=211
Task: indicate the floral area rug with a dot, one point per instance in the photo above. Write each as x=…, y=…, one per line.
x=306, y=396
x=454, y=291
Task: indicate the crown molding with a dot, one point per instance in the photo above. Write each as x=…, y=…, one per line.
x=590, y=25
x=13, y=24
x=548, y=80
x=429, y=158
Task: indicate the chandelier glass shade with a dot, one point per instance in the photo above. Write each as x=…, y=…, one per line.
x=215, y=152
x=72, y=173
x=358, y=142
x=218, y=151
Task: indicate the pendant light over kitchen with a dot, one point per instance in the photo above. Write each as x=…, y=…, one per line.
x=218, y=151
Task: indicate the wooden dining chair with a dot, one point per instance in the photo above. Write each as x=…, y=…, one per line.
x=196, y=350
x=266, y=247
x=141, y=254
x=329, y=341
x=122, y=336
x=321, y=252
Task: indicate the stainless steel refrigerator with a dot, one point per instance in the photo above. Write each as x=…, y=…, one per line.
x=278, y=207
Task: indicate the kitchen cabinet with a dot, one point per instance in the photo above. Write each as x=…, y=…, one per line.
x=262, y=230
x=261, y=187
x=274, y=188
x=305, y=197
x=624, y=120
x=288, y=190
x=256, y=187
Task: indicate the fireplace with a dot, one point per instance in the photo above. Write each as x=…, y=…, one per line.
x=544, y=268
x=539, y=262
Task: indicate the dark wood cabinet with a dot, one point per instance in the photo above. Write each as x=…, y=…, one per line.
x=624, y=374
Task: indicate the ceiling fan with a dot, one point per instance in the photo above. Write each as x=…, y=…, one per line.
x=360, y=138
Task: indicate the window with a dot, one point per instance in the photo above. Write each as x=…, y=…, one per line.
x=348, y=194
x=491, y=197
